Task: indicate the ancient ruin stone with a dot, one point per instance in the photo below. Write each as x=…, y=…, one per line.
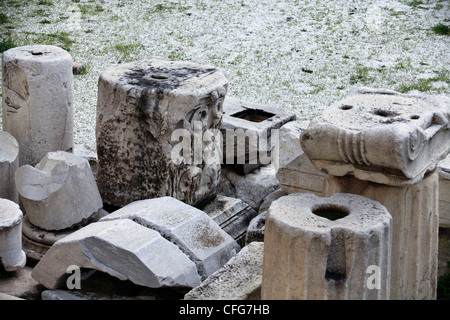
x=255, y=121
x=59, y=192
x=9, y=163
x=323, y=248
x=140, y=107
x=191, y=229
x=37, y=100
x=232, y=215
x=415, y=228
x=251, y=188
x=12, y=256
x=380, y=135
x=239, y=279
x=121, y=248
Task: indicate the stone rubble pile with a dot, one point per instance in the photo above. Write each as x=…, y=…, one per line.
x=210, y=197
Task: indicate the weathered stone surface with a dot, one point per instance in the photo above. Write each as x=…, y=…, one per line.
x=251, y=188
x=232, y=215
x=191, y=229
x=256, y=121
x=381, y=136
x=12, y=256
x=289, y=143
x=255, y=230
x=271, y=198
x=88, y=150
x=36, y=241
x=59, y=192
x=9, y=163
x=121, y=248
x=300, y=175
x=444, y=192
x=415, y=225
x=308, y=254
x=38, y=100
x=239, y=279
x=140, y=107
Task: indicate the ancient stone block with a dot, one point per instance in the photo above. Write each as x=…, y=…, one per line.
x=232, y=215
x=157, y=124
x=256, y=227
x=251, y=188
x=324, y=248
x=121, y=248
x=255, y=121
x=191, y=229
x=239, y=279
x=9, y=163
x=12, y=256
x=59, y=192
x=380, y=135
x=37, y=100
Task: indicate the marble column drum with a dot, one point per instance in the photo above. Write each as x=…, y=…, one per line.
x=318, y=248
x=37, y=88
x=386, y=146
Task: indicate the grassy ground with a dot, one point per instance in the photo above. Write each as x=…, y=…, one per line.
x=298, y=55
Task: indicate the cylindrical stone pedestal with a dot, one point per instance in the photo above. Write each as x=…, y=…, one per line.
x=415, y=228
x=9, y=163
x=326, y=248
x=38, y=100
x=12, y=256
x=157, y=131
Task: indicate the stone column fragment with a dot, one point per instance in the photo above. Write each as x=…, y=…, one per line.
x=121, y=248
x=12, y=256
x=191, y=229
x=9, y=163
x=394, y=141
x=59, y=192
x=325, y=248
x=157, y=131
x=38, y=100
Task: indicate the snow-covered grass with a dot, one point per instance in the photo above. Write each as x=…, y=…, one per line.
x=297, y=55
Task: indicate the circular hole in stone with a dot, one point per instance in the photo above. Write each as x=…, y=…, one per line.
x=36, y=53
x=415, y=117
x=330, y=212
x=346, y=107
x=159, y=76
x=385, y=113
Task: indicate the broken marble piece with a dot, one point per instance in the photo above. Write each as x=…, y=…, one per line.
x=121, y=248
x=380, y=135
x=251, y=188
x=59, y=192
x=444, y=192
x=290, y=148
x=191, y=229
x=12, y=256
x=157, y=131
x=239, y=279
x=326, y=248
x=36, y=241
x=255, y=230
x=37, y=100
x=252, y=125
x=9, y=163
x=232, y=215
